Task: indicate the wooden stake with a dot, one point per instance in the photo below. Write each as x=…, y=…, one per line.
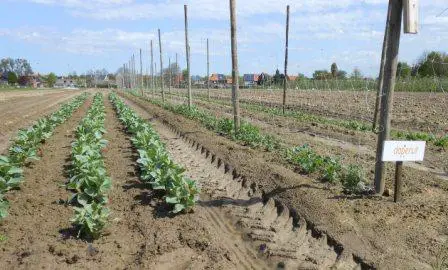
x=177, y=74
x=170, y=73
x=124, y=76
x=286, y=60
x=397, y=187
x=235, y=83
x=152, y=68
x=390, y=70
x=141, y=72
x=187, y=49
x=381, y=75
x=161, y=67
x=208, y=71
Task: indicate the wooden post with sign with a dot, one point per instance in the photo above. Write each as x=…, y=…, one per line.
x=397, y=186
x=392, y=40
x=399, y=151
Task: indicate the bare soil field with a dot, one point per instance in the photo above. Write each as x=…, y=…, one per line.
x=20, y=109
x=380, y=233
x=412, y=111
x=232, y=227
x=254, y=212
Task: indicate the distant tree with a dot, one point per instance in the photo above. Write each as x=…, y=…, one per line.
x=334, y=70
x=356, y=74
x=278, y=78
x=403, y=70
x=21, y=67
x=24, y=80
x=321, y=74
x=185, y=74
x=342, y=74
x=300, y=77
x=12, y=78
x=50, y=79
x=431, y=64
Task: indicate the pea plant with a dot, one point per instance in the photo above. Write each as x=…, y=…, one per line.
x=25, y=145
x=88, y=178
x=156, y=167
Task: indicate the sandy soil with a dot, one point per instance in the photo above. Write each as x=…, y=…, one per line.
x=386, y=235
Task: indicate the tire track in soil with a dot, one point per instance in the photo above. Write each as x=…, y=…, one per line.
x=232, y=207
x=32, y=228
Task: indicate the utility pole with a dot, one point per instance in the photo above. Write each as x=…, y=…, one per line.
x=285, y=81
x=392, y=40
x=161, y=67
x=187, y=49
x=235, y=83
x=208, y=71
x=141, y=72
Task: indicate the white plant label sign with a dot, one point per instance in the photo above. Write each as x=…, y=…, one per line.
x=404, y=150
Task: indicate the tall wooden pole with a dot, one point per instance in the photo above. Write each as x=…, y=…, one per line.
x=141, y=72
x=124, y=75
x=208, y=71
x=161, y=67
x=285, y=81
x=152, y=68
x=130, y=73
x=187, y=49
x=235, y=83
x=381, y=75
x=390, y=69
x=155, y=76
x=170, y=73
x=177, y=74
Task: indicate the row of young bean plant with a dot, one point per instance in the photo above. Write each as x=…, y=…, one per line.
x=88, y=178
x=156, y=167
x=25, y=147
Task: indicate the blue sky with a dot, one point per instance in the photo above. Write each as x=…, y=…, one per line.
x=75, y=35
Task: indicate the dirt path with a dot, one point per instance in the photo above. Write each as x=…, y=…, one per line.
x=36, y=217
x=24, y=111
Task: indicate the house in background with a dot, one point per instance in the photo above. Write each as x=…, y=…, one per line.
x=216, y=78
x=63, y=82
x=250, y=79
x=292, y=78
